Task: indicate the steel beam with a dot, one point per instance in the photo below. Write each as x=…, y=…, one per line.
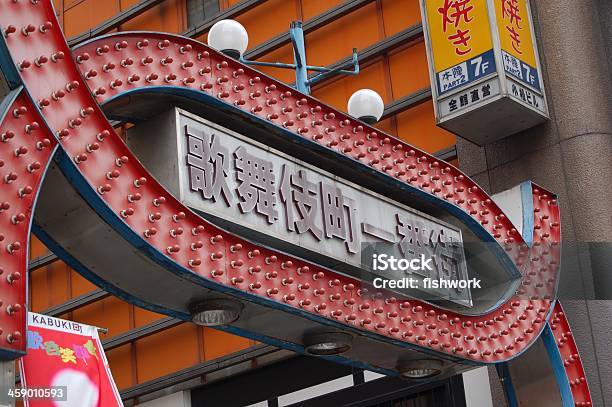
x=76, y=303
x=141, y=332
x=141, y=7
x=41, y=261
x=115, y=21
x=238, y=361
x=447, y=154
x=311, y=25
x=228, y=13
x=403, y=37
x=405, y=103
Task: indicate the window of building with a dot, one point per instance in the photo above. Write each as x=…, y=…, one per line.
x=200, y=10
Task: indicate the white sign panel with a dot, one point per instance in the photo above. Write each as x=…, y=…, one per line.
x=282, y=200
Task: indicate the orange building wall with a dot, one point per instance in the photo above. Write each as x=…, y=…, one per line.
x=394, y=75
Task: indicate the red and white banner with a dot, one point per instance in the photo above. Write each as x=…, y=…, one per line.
x=65, y=366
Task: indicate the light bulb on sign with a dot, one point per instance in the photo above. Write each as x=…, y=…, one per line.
x=229, y=37
x=366, y=105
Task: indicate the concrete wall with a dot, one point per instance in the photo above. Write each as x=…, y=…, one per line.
x=605, y=11
x=572, y=156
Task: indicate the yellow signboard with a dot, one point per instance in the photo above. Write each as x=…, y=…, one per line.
x=459, y=30
x=515, y=30
x=516, y=39
x=460, y=41
x=484, y=67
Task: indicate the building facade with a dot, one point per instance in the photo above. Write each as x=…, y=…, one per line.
x=160, y=361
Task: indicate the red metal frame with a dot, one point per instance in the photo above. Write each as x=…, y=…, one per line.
x=571, y=358
x=25, y=151
x=112, y=64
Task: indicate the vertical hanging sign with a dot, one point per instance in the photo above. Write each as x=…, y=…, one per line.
x=484, y=69
x=460, y=34
x=65, y=366
x=518, y=50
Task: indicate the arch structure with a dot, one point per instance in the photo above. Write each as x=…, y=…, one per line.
x=53, y=125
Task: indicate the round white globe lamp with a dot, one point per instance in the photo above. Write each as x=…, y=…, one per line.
x=366, y=105
x=229, y=37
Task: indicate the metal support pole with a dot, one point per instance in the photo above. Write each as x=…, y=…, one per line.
x=302, y=83
x=299, y=57
x=7, y=381
x=331, y=72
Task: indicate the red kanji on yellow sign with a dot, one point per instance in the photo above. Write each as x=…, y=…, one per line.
x=511, y=14
x=453, y=12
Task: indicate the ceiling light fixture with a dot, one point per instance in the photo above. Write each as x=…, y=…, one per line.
x=327, y=343
x=215, y=312
x=419, y=368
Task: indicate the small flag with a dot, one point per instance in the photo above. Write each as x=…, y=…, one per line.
x=65, y=366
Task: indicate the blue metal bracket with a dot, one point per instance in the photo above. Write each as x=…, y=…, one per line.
x=299, y=57
x=302, y=83
x=504, y=376
x=326, y=73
